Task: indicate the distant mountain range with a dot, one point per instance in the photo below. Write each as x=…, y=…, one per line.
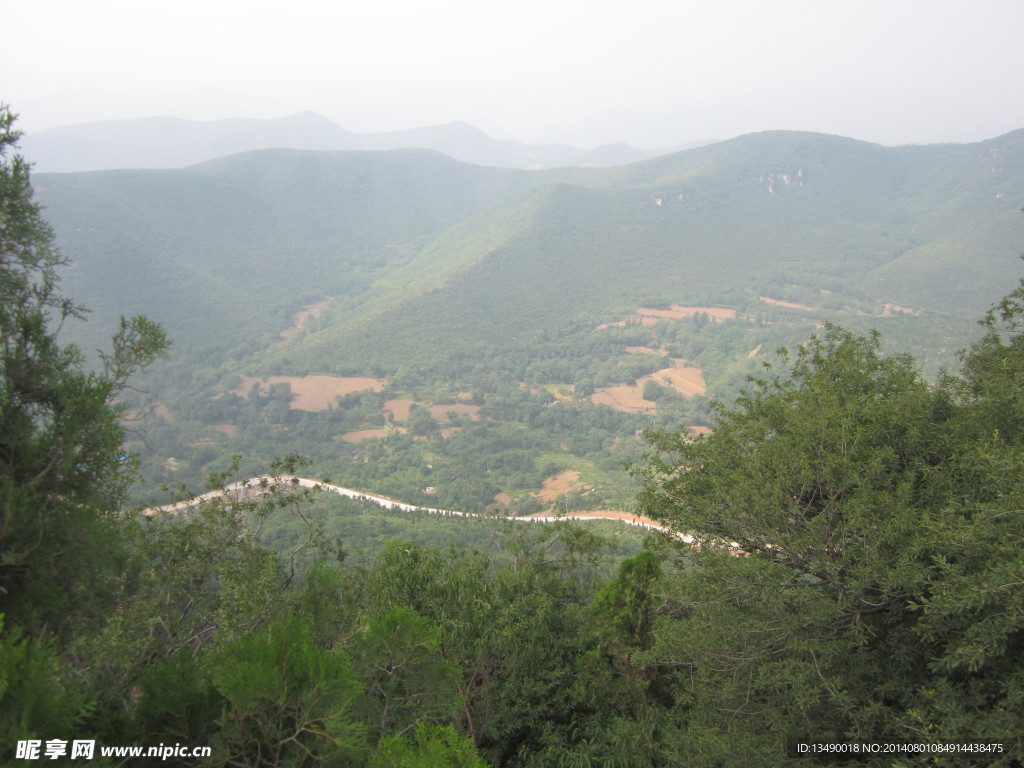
x=168, y=142
x=419, y=254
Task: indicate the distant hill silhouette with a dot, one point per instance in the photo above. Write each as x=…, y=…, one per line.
x=169, y=142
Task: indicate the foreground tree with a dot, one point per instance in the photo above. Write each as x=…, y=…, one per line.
x=62, y=469
x=877, y=595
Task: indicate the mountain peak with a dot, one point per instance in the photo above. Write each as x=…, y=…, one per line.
x=308, y=118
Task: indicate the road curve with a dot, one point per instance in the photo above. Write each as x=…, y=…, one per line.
x=254, y=483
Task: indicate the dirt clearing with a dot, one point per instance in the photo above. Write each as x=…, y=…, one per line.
x=686, y=381
x=300, y=318
x=625, y=398
x=676, y=312
x=312, y=393
x=789, y=304
x=399, y=409
x=362, y=434
x=650, y=316
x=439, y=413
x=553, y=487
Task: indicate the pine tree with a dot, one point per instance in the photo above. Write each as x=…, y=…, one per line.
x=62, y=467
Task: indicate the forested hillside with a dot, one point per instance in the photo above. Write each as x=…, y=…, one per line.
x=367, y=296
x=849, y=591
x=785, y=215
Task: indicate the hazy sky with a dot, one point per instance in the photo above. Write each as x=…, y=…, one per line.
x=651, y=73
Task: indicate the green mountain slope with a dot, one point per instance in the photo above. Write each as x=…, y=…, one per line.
x=509, y=320
x=232, y=247
x=411, y=246
x=840, y=226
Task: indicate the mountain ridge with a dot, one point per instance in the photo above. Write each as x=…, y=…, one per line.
x=170, y=142
x=420, y=241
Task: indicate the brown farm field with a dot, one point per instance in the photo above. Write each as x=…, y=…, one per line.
x=399, y=409
x=686, y=381
x=555, y=486
x=363, y=434
x=439, y=413
x=789, y=304
x=628, y=398
x=651, y=316
x=312, y=393
x=676, y=312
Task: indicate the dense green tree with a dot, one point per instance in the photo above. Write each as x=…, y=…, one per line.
x=405, y=676
x=623, y=607
x=859, y=571
x=432, y=747
x=62, y=468
x=35, y=700
x=288, y=703
x=268, y=699
x=972, y=618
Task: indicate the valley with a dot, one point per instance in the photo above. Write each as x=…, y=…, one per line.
x=512, y=385
x=410, y=322
x=518, y=468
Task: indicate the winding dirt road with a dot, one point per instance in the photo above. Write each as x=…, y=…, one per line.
x=254, y=483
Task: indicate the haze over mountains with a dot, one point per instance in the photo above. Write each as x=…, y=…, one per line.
x=169, y=142
x=428, y=246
